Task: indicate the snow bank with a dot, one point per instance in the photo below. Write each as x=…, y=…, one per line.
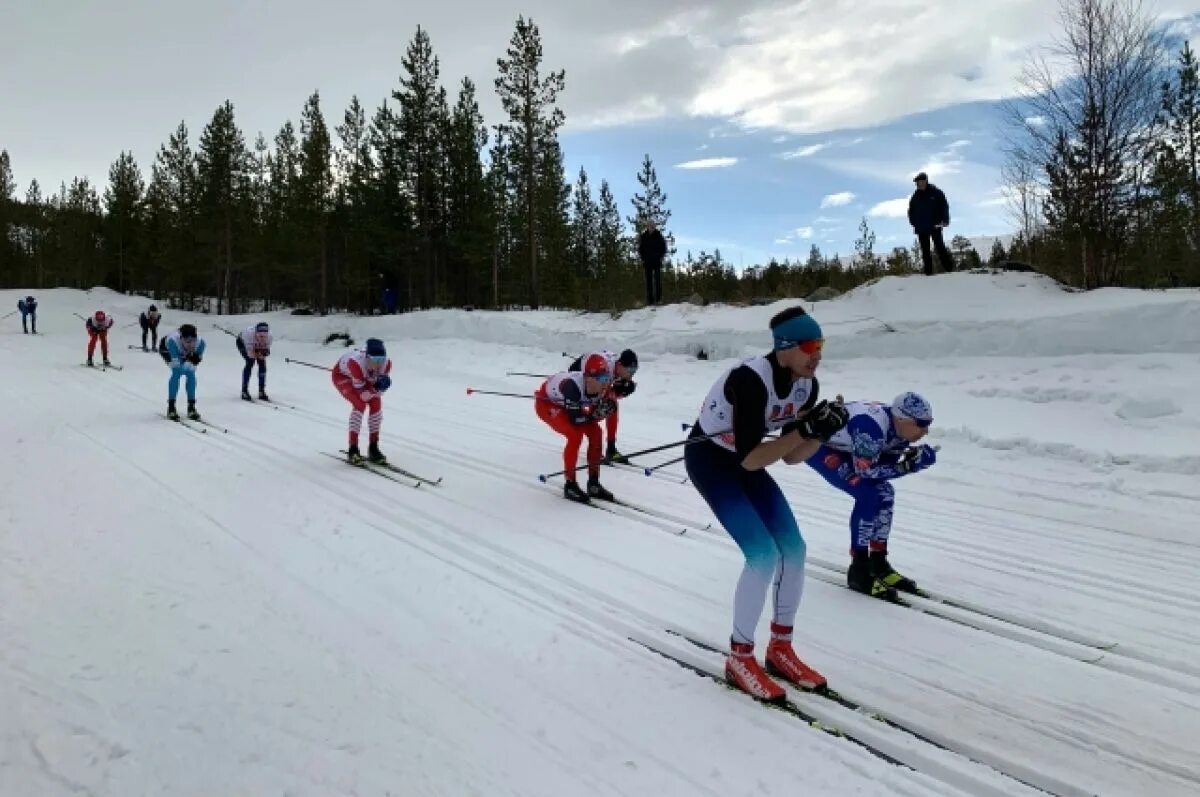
x=949, y=315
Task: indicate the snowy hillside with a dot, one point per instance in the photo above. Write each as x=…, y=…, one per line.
x=236, y=612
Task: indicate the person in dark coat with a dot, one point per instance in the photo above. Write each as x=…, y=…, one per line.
x=652, y=248
x=929, y=213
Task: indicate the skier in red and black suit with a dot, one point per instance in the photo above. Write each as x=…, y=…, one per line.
x=573, y=403
x=623, y=369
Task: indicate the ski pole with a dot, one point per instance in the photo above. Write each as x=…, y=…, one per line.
x=77, y=315
x=226, y=331
x=525, y=373
x=650, y=471
x=310, y=365
x=472, y=390
x=685, y=442
x=6, y=315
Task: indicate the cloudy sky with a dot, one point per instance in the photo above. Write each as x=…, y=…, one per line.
x=774, y=125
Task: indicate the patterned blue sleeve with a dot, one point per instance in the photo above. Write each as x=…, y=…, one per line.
x=868, y=443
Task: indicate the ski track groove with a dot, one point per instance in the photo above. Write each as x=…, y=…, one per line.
x=466, y=463
x=537, y=584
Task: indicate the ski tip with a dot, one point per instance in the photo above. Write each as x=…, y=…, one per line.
x=542, y=478
x=470, y=390
x=647, y=471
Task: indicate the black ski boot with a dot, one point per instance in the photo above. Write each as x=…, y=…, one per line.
x=882, y=570
x=612, y=455
x=191, y=412
x=246, y=395
x=571, y=491
x=860, y=579
x=171, y=412
x=90, y=364
x=262, y=394
x=375, y=455
x=598, y=491
x=354, y=455
x=106, y=362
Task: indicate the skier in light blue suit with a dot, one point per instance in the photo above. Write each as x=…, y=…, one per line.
x=877, y=445
x=183, y=350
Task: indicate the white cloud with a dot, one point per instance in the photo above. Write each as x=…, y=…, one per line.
x=707, y=163
x=804, y=232
x=959, y=144
x=925, y=134
x=804, y=152
x=837, y=200
x=891, y=209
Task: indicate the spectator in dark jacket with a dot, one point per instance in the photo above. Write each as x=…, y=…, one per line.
x=929, y=213
x=652, y=248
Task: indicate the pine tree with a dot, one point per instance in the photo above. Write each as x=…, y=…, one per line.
x=469, y=228
x=355, y=164
x=529, y=99
x=997, y=256
x=612, y=252
x=171, y=206
x=122, y=201
x=423, y=115
x=584, y=234
x=221, y=165
x=864, y=249
x=35, y=219
x=315, y=193
x=815, y=260
x=651, y=205
x=8, y=188
x=965, y=256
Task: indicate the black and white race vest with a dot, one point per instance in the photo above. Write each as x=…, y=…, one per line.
x=717, y=413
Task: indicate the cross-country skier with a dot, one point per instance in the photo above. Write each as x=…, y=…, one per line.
x=149, y=322
x=573, y=403
x=861, y=460
x=623, y=369
x=183, y=350
x=28, y=308
x=97, y=327
x=362, y=377
x=254, y=344
x=777, y=391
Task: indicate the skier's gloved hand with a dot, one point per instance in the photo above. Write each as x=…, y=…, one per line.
x=822, y=422
x=194, y=358
x=383, y=382
x=605, y=408
x=917, y=458
x=367, y=394
x=624, y=387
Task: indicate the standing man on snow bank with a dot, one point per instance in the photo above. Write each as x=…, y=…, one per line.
x=652, y=248
x=929, y=213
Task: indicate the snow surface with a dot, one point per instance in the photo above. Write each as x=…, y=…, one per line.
x=237, y=613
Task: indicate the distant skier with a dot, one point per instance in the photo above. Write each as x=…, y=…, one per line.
x=97, y=328
x=623, y=369
x=362, y=377
x=183, y=350
x=254, y=344
x=777, y=391
x=28, y=308
x=573, y=403
x=149, y=322
x=861, y=460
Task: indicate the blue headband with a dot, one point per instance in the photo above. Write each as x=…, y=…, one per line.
x=796, y=330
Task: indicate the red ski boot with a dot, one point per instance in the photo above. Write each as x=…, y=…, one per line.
x=743, y=671
x=783, y=662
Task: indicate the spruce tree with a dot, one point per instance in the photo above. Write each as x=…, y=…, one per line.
x=529, y=98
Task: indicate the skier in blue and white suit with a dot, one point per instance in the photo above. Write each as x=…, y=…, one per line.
x=874, y=447
x=182, y=350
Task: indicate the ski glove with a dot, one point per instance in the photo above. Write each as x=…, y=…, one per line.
x=916, y=459
x=623, y=387
x=383, y=382
x=822, y=422
x=194, y=358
